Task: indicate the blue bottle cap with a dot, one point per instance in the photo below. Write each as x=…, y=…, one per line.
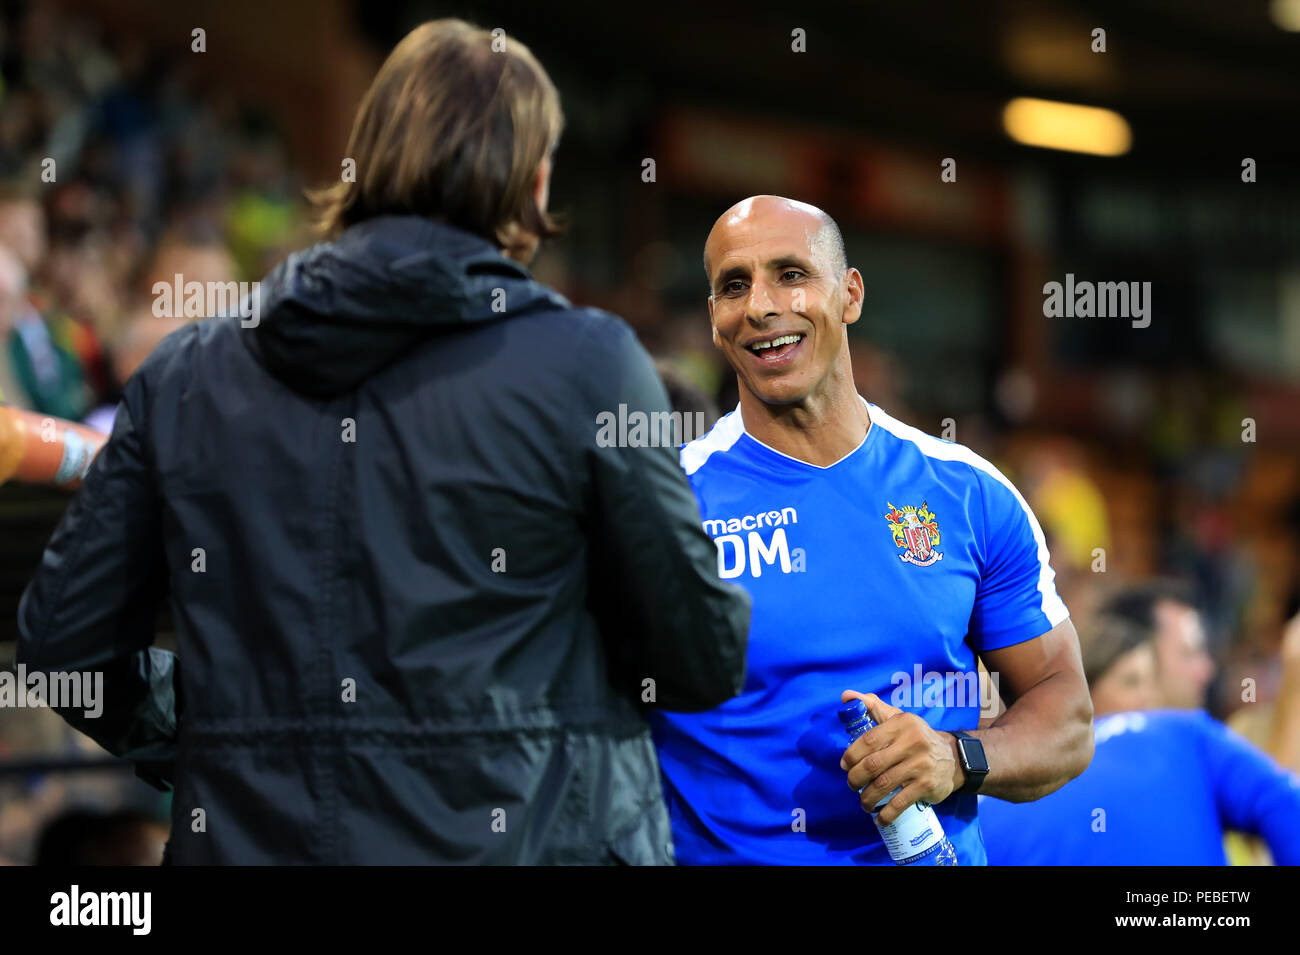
x=852, y=711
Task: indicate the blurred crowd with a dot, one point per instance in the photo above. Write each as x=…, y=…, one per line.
x=121, y=167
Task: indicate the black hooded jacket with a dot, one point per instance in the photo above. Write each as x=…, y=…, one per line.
x=418, y=603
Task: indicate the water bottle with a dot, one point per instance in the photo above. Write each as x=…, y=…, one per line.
x=915, y=837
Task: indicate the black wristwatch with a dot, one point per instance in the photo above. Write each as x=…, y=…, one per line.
x=973, y=761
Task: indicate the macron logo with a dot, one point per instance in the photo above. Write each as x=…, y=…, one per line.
x=735, y=553
x=734, y=525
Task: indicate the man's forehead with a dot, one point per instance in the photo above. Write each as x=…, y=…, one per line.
x=763, y=238
x=1179, y=620
x=767, y=237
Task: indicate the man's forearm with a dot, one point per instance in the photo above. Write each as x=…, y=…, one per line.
x=1039, y=744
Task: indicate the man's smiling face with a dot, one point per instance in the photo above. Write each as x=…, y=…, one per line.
x=781, y=297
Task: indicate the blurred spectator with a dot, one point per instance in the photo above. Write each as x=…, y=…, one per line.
x=1068, y=503
x=140, y=337
x=45, y=374
x=1163, y=786
x=195, y=252
x=13, y=302
x=53, y=358
x=22, y=226
x=1284, y=735
x=1274, y=726
x=155, y=175
x=1119, y=662
x=1166, y=611
x=685, y=397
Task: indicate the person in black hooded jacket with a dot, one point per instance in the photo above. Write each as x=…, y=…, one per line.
x=419, y=603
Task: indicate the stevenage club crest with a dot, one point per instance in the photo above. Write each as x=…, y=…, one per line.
x=917, y=530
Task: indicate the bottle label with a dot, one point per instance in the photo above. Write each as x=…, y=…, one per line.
x=915, y=834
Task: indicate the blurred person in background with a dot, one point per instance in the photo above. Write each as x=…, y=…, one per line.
x=195, y=252
x=139, y=337
x=22, y=226
x=13, y=304
x=1067, y=501
x=1274, y=726
x=685, y=398
x=1281, y=717
x=45, y=354
x=1166, y=610
x=1164, y=785
x=430, y=598
x=88, y=268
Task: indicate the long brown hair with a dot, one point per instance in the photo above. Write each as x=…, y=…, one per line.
x=454, y=127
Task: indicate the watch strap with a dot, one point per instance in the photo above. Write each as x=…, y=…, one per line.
x=974, y=779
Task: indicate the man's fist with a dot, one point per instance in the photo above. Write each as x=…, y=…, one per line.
x=901, y=751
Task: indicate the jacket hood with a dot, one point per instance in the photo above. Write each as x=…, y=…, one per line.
x=333, y=315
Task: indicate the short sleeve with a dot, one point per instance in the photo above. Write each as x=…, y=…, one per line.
x=1251, y=791
x=1016, y=599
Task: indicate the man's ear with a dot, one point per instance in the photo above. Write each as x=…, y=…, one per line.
x=717, y=342
x=855, y=293
x=542, y=183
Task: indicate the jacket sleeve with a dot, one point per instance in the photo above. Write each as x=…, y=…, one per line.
x=92, y=604
x=669, y=617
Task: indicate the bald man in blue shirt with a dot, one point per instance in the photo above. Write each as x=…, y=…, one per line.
x=873, y=552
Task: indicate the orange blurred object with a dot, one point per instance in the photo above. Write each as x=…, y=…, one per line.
x=41, y=449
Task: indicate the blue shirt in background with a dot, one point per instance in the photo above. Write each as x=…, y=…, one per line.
x=1162, y=788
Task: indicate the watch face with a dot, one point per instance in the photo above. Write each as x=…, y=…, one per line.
x=973, y=752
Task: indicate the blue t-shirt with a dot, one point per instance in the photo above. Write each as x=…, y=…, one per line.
x=883, y=572
x=1162, y=787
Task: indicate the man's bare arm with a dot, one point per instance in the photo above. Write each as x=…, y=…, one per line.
x=995, y=705
x=1044, y=738
x=1041, y=742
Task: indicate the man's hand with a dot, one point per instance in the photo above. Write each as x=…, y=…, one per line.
x=902, y=750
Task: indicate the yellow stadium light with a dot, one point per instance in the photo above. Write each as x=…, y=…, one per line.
x=1073, y=128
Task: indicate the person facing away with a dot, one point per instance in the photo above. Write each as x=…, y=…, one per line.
x=1163, y=786
x=419, y=605
x=873, y=553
